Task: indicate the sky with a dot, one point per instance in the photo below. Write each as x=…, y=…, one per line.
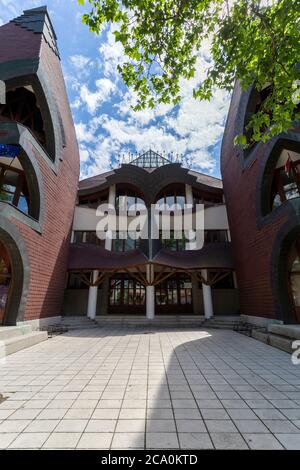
x=105, y=122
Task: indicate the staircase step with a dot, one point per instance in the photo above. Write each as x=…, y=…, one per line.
x=17, y=343
x=7, y=332
x=289, y=331
x=277, y=341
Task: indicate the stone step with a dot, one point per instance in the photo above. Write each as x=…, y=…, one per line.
x=288, y=331
x=277, y=341
x=17, y=343
x=7, y=332
x=130, y=320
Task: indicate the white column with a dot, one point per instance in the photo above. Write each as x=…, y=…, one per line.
x=112, y=201
x=189, y=199
x=92, y=300
x=150, y=302
x=150, y=294
x=207, y=298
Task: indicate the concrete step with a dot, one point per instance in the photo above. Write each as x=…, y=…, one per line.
x=7, y=332
x=222, y=322
x=288, y=331
x=138, y=320
x=17, y=343
x=277, y=341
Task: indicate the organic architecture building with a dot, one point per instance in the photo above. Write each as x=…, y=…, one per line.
x=53, y=263
x=39, y=169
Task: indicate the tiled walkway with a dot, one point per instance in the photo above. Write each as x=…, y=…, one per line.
x=125, y=388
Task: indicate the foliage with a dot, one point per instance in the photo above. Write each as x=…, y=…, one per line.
x=252, y=41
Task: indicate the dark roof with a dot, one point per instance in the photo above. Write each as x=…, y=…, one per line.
x=84, y=256
x=212, y=256
x=95, y=183
x=38, y=21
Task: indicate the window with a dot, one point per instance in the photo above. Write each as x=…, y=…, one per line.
x=215, y=236
x=124, y=290
x=13, y=184
x=177, y=290
x=74, y=282
x=124, y=244
x=150, y=159
x=224, y=283
x=172, y=243
x=94, y=201
x=87, y=237
x=207, y=199
x=126, y=198
x=286, y=179
x=171, y=196
x=21, y=106
x=255, y=104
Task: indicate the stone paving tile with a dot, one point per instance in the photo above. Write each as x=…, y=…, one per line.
x=41, y=425
x=131, y=425
x=4, y=414
x=220, y=426
x=132, y=413
x=6, y=439
x=190, y=426
x=59, y=440
x=160, y=425
x=101, y=425
x=118, y=388
x=29, y=441
x=163, y=440
x=289, y=441
x=281, y=426
x=262, y=442
x=228, y=440
x=12, y=426
x=194, y=440
x=250, y=426
x=71, y=425
x=129, y=440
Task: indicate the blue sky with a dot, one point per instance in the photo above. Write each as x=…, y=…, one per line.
x=105, y=123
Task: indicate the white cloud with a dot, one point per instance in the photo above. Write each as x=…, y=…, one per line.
x=111, y=55
x=83, y=133
x=79, y=61
x=93, y=99
x=108, y=126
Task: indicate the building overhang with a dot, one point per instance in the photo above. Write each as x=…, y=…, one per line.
x=87, y=257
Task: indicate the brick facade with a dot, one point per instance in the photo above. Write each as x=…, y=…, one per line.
x=254, y=238
x=47, y=251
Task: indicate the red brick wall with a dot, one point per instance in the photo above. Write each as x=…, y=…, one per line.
x=18, y=43
x=252, y=246
x=48, y=252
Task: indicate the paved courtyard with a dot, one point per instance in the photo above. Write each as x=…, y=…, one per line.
x=118, y=388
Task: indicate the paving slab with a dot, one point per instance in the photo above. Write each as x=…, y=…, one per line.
x=119, y=388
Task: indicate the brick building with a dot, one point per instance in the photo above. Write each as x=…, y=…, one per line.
x=39, y=163
x=262, y=188
x=52, y=262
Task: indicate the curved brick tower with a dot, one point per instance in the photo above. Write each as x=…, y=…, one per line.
x=39, y=163
x=261, y=187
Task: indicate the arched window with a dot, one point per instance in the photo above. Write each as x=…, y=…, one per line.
x=173, y=194
x=255, y=103
x=128, y=197
x=22, y=107
x=286, y=178
x=14, y=184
